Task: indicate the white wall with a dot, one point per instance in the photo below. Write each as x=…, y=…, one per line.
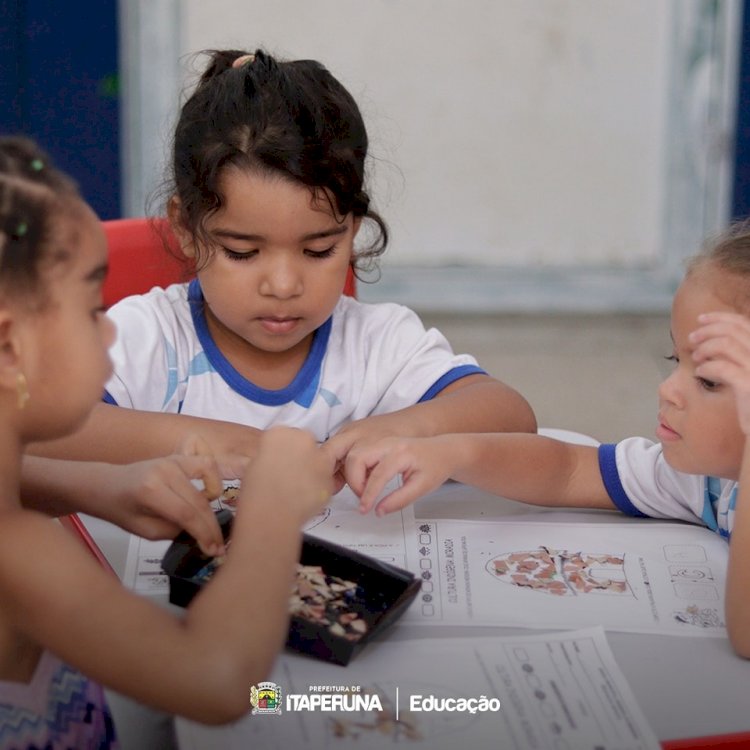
x=527, y=155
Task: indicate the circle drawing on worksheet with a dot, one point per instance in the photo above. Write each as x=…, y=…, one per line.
x=368, y=730
x=317, y=519
x=561, y=572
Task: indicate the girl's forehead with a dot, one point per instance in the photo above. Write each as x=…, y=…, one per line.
x=80, y=235
x=266, y=197
x=708, y=289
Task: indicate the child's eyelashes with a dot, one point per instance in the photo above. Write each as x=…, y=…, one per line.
x=247, y=254
x=234, y=255
x=327, y=253
x=708, y=385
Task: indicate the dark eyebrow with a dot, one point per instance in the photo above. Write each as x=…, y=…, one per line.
x=229, y=234
x=98, y=274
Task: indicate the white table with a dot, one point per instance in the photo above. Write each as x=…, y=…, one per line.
x=687, y=687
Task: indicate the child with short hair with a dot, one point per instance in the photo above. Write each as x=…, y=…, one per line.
x=267, y=199
x=695, y=472
x=64, y=621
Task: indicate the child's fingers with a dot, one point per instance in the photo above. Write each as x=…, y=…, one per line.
x=182, y=504
x=717, y=370
x=193, y=444
x=723, y=348
x=389, y=467
x=338, y=446
x=721, y=334
x=196, y=517
x=339, y=482
x=720, y=325
x=292, y=465
x=205, y=468
x=400, y=498
x=232, y=465
x=735, y=377
x=723, y=317
x=716, y=346
x=356, y=472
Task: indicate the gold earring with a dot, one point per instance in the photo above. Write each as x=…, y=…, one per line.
x=22, y=391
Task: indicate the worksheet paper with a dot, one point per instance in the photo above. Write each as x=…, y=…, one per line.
x=555, y=691
x=648, y=577
x=386, y=539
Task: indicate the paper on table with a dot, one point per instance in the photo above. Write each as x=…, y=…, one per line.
x=387, y=538
x=555, y=691
x=648, y=577
x=341, y=522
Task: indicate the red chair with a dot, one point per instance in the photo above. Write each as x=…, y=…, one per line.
x=143, y=253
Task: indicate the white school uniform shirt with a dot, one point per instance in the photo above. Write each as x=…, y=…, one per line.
x=365, y=359
x=641, y=483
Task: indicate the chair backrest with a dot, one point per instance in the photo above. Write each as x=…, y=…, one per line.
x=140, y=258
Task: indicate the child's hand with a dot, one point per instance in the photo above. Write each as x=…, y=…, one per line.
x=220, y=439
x=423, y=464
x=348, y=446
x=722, y=354
x=156, y=499
x=229, y=465
x=290, y=471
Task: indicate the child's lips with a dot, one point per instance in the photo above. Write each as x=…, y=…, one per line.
x=665, y=432
x=277, y=325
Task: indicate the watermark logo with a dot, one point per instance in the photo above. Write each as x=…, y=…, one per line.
x=265, y=698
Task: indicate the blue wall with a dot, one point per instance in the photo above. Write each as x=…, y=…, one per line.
x=741, y=188
x=58, y=84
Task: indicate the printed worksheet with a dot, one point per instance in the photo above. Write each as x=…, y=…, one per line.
x=558, y=691
x=648, y=577
x=386, y=539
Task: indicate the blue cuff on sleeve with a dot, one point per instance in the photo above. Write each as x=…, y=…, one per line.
x=450, y=377
x=108, y=399
x=611, y=479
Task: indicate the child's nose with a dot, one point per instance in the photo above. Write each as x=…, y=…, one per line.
x=669, y=389
x=281, y=280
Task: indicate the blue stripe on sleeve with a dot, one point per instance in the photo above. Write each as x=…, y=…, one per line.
x=611, y=479
x=450, y=377
x=108, y=399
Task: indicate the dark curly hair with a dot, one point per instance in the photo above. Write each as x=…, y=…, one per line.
x=291, y=118
x=33, y=193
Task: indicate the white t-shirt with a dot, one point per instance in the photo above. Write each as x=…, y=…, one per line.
x=364, y=360
x=641, y=483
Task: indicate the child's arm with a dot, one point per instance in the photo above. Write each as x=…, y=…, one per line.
x=154, y=499
x=529, y=468
x=476, y=403
x=202, y=665
x=722, y=354
x=738, y=573
x=119, y=435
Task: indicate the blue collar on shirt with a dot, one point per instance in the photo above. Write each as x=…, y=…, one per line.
x=302, y=389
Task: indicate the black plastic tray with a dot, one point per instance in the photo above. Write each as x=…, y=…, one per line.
x=384, y=591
